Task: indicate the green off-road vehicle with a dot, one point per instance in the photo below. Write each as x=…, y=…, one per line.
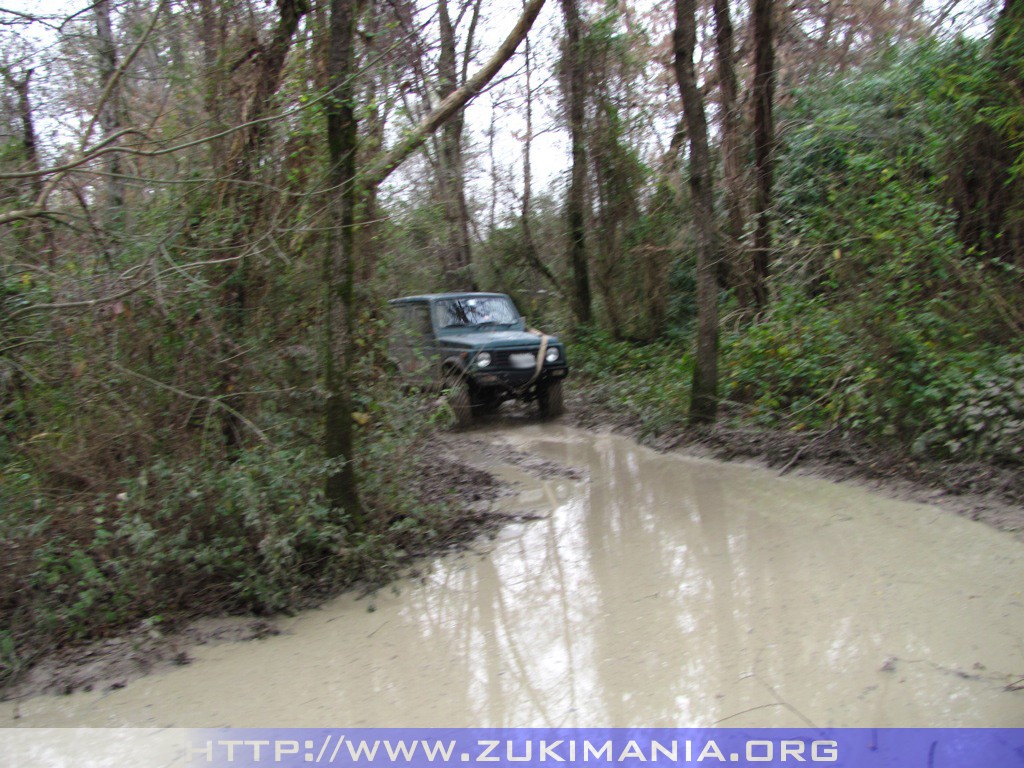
x=476, y=348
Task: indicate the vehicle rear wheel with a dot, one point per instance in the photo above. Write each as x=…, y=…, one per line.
x=457, y=390
x=549, y=400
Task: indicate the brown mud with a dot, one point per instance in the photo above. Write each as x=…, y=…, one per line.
x=652, y=589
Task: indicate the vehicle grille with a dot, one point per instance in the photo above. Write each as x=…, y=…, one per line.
x=500, y=357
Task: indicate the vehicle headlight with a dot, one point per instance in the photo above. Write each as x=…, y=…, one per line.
x=552, y=355
x=483, y=359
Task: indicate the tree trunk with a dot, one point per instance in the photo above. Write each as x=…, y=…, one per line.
x=370, y=144
x=576, y=200
x=457, y=257
x=347, y=187
x=764, y=140
x=245, y=201
x=339, y=262
x=38, y=239
x=529, y=244
x=704, y=395
x=211, y=37
x=732, y=164
x=987, y=193
x=384, y=165
x=110, y=111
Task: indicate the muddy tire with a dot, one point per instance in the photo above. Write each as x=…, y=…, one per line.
x=549, y=400
x=458, y=400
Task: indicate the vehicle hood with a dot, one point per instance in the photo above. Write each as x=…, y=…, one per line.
x=493, y=339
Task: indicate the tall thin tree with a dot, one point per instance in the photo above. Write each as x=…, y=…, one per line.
x=764, y=141
x=575, y=84
x=111, y=108
x=732, y=163
x=339, y=261
x=704, y=394
x=458, y=257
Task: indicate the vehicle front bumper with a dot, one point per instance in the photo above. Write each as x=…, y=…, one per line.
x=517, y=378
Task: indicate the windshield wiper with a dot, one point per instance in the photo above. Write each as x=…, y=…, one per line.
x=496, y=322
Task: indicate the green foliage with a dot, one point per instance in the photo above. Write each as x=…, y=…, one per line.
x=913, y=372
x=883, y=324
x=645, y=383
x=250, y=535
x=996, y=86
x=861, y=174
x=202, y=534
x=980, y=412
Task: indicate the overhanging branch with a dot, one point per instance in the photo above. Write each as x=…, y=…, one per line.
x=385, y=164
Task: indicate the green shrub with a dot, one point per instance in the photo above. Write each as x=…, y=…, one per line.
x=648, y=383
x=208, y=535
x=981, y=414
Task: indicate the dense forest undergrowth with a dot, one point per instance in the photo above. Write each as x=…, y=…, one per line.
x=888, y=325
x=170, y=440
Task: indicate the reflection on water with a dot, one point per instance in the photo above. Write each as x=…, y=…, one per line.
x=657, y=591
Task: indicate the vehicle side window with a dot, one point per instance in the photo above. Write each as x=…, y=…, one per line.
x=399, y=334
x=419, y=320
x=411, y=342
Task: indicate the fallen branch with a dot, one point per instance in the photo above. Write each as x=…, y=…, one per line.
x=27, y=213
x=796, y=456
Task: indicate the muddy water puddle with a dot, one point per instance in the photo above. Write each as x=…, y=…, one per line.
x=656, y=590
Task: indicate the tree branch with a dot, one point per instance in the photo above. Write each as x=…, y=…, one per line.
x=383, y=165
x=213, y=401
x=118, y=74
x=27, y=213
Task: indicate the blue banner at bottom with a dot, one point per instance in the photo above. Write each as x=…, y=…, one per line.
x=604, y=748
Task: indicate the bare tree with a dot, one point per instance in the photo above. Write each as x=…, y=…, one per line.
x=111, y=107
x=704, y=393
x=529, y=243
x=240, y=197
x=457, y=252
x=732, y=161
x=34, y=183
x=764, y=141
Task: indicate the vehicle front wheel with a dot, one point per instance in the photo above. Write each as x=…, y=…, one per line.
x=457, y=390
x=549, y=400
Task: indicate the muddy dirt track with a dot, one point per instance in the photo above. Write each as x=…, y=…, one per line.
x=654, y=590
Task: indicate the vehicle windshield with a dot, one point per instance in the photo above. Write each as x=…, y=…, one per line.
x=475, y=311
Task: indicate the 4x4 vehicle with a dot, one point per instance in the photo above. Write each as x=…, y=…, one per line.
x=476, y=347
